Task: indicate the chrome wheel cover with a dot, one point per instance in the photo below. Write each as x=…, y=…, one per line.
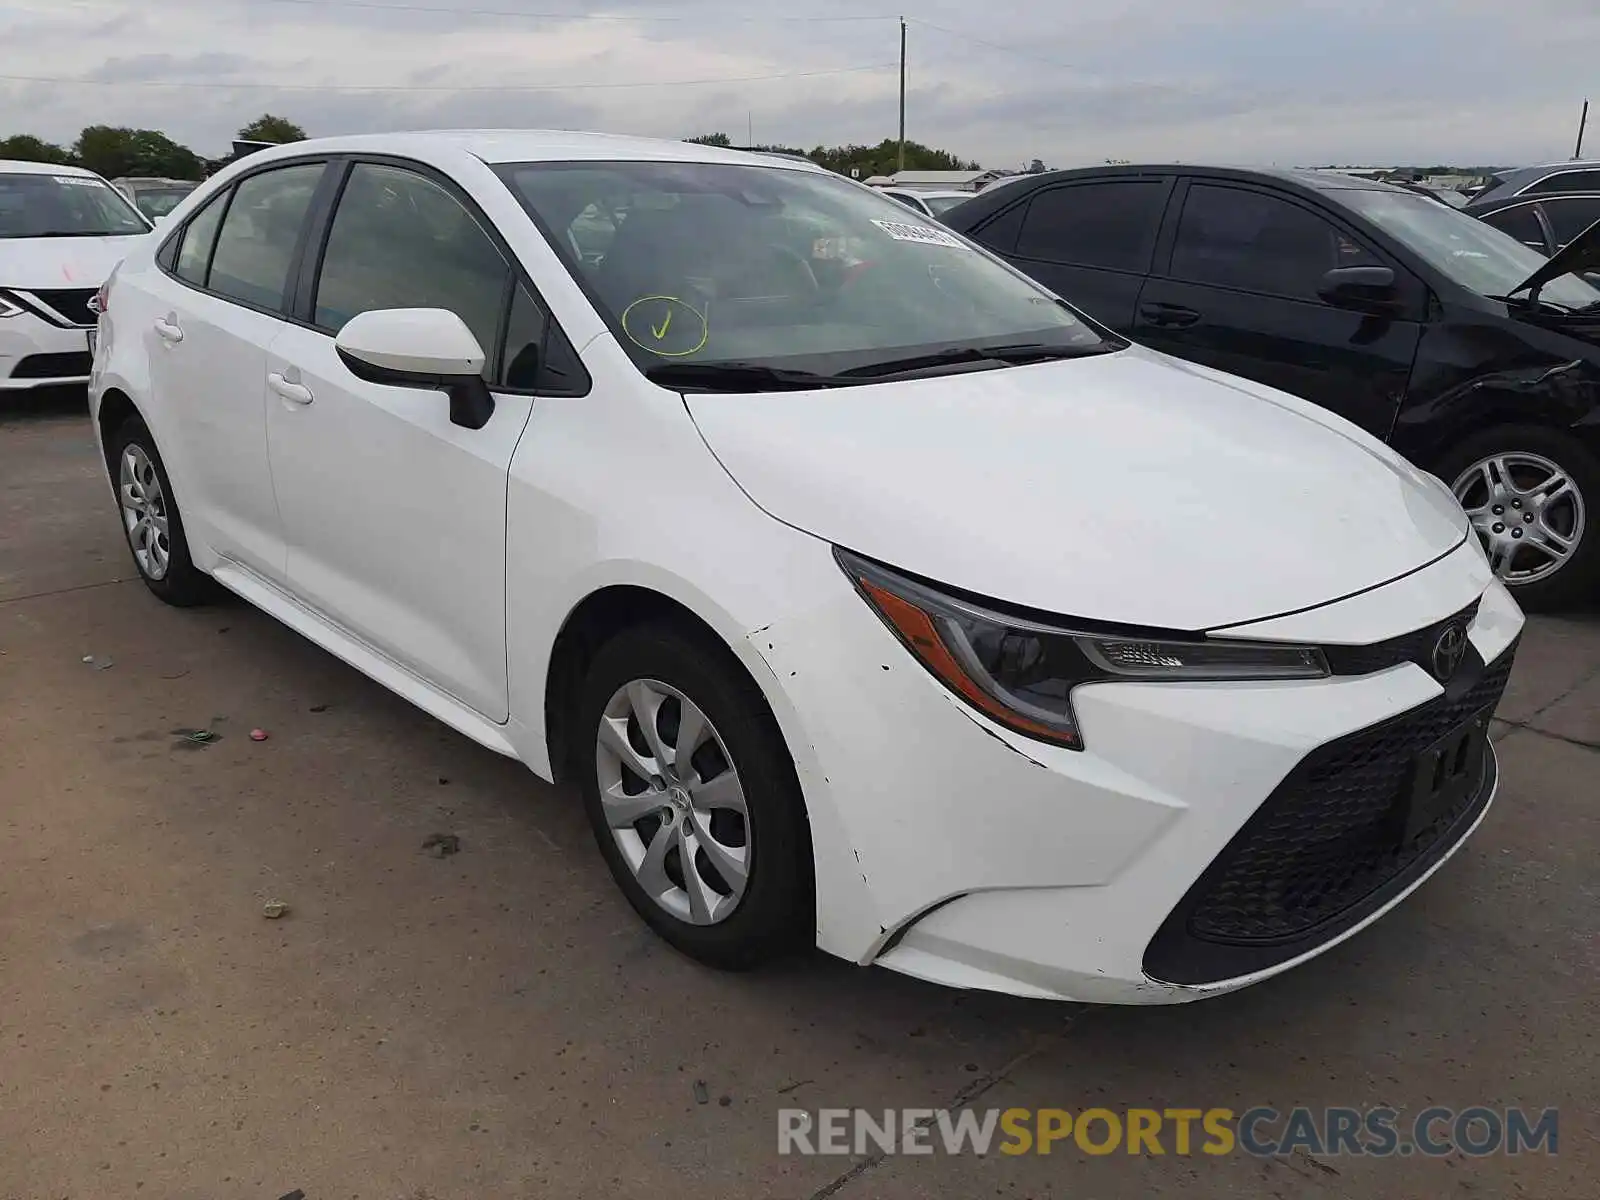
x=144, y=512
x=1527, y=511
x=673, y=802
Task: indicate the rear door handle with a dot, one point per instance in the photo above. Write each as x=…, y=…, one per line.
x=167, y=327
x=1168, y=316
x=295, y=393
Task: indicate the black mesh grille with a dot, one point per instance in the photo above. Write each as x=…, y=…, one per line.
x=71, y=303
x=1329, y=845
x=1414, y=647
x=71, y=365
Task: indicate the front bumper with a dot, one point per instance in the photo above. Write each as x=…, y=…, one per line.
x=951, y=849
x=36, y=353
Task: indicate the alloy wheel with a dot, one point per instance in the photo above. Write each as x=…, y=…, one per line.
x=144, y=512
x=673, y=802
x=1527, y=511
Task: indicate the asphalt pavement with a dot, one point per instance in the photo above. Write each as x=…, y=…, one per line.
x=497, y=1023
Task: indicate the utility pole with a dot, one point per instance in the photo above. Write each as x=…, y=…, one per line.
x=902, y=165
x=1582, y=121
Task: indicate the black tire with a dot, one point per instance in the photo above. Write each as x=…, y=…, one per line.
x=183, y=585
x=776, y=913
x=1577, y=580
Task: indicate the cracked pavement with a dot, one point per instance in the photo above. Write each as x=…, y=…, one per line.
x=497, y=1023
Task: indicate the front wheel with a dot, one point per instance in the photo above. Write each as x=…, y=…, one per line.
x=693, y=798
x=1529, y=492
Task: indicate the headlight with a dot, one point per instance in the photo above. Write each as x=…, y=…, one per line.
x=1021, y=673
x=9, y=307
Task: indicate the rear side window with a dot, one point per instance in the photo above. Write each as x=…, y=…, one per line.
x=1566, y=181
x=196, y=240
x=399, y=240
x=1570, y=217
x=1521, y=223
x=1255, y=242
x=1111, y=224
x=256, y=245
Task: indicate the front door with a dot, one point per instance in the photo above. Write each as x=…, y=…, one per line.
x=395, y=517
x=1241, y=295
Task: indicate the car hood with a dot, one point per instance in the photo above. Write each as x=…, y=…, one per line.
x=1580, y=255
x=62, y=262
x=1129, y=487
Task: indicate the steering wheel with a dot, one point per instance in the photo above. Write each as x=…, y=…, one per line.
x=794, y=258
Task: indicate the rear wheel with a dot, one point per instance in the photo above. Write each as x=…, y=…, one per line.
x=1530, y=493
x=150, y=518
x=693, y=798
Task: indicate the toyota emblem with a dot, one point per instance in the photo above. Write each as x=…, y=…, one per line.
x=1448, y=652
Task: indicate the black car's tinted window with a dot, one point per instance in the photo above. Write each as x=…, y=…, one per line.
x=399, y=240
x=256, y=245
x=1255, y=242
x=1566, y=181
x=1110, y=224
x=1571, y=216
x=194, y=244
x=1521, y=223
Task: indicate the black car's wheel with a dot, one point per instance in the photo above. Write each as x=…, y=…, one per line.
x=150, y=518
x=1531, y=492
x=693, y=798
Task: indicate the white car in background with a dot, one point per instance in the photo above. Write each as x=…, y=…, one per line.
x=926, y=201
x=871, y=595
x=62, y=229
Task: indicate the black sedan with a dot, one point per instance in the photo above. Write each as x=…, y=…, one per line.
x=1472, y=354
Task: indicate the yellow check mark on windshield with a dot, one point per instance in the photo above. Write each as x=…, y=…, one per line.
x=661, y=332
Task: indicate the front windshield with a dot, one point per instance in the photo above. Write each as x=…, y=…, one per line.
x=64, y=206
x=1472, y=252
x=159, y=201
x=706, y=264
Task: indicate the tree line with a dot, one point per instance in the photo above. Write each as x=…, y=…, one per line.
x=882, y=159
x=114, y=151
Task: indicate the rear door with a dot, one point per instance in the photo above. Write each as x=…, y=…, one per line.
x=219, y=302
x=1568, y=216
x=1238, y=291
x=1523, y=222
x=395, y=517
x=1089, y=241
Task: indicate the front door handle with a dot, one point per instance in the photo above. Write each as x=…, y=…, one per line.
x=1168, y=316
x=167, y=328
x=289, y=389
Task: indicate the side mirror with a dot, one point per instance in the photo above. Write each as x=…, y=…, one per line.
x=1365, y=288
x=420, y=348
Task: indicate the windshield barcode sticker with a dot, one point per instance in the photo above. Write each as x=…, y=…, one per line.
x=76, y=180
x=926, y=234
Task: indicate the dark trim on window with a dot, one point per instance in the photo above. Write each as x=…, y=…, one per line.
x=319, y=220
x=281, y=313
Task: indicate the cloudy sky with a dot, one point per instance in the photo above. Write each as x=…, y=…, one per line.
x=1299, y=82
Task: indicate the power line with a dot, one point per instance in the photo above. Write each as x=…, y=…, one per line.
x=224, y=85
x=445, y=10
x=965, y=37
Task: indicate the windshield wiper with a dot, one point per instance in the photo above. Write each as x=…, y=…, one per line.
x=1011, y=355
x=736, y=377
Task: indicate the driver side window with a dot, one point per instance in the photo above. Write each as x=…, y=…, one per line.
x=399, y=240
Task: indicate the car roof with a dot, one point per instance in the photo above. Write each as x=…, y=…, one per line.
x=535, y=145
x=17, y=166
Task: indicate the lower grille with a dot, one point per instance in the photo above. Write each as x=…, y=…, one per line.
x=1329, y=846
x=54, y=366
x=71, y=303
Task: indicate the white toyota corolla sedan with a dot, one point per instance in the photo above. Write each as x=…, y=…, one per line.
x=869, y=594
